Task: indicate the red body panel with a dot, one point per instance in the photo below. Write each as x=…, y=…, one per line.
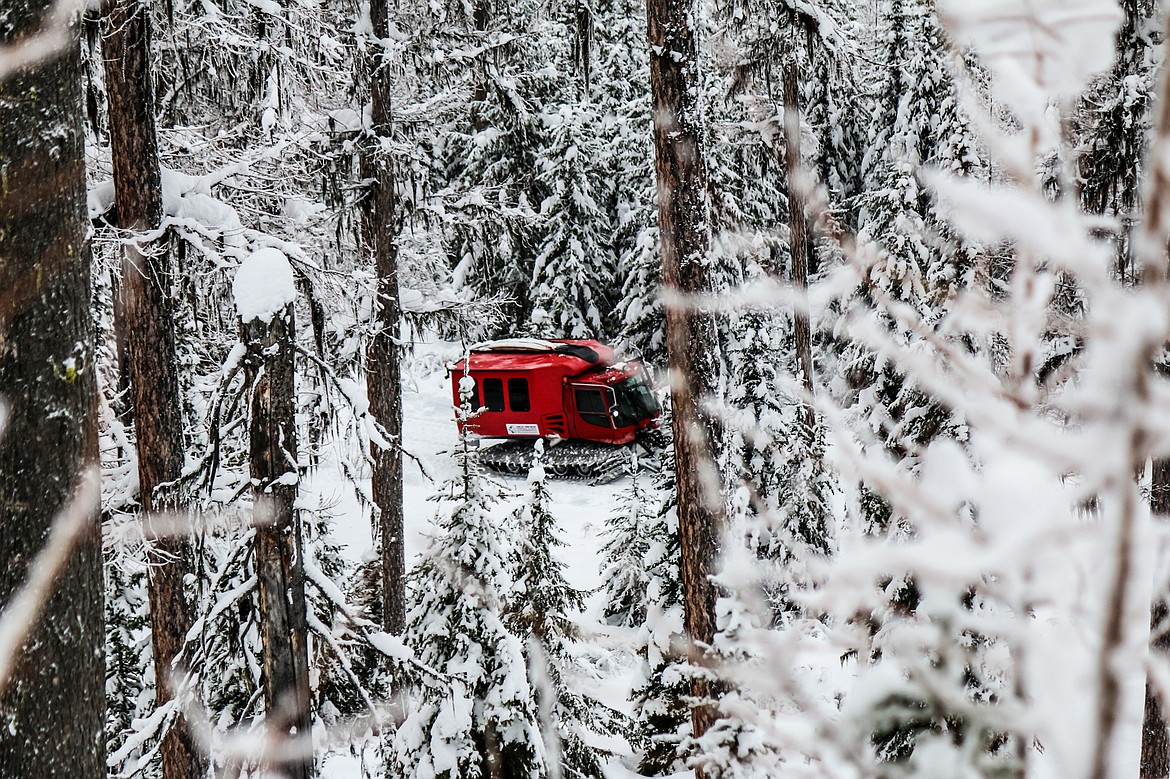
x=552, y=380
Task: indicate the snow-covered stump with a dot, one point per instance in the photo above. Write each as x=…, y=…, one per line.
x=264, y=294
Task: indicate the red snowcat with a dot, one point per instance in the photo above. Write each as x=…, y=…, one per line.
x=571, y=392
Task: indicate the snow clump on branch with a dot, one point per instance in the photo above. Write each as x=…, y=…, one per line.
x=263, y=285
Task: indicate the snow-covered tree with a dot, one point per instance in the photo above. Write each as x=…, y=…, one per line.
x=573, y=272
x=485, y=723
x=643, y=593
x=1111, y=124
x=778, y=453
x=542, y=607
x=737, y=745
x=920, y=124
x=624, y=579
x=621, y=77
x=128, y=661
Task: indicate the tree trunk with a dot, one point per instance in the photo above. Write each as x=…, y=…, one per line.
x=683, y=214
x=383, y=370
x=1155, y=759
x=280, y=573
x=800, y=246
x=583, y=47
x=146, y=327
x=53, y=710
x=481, y=16
x=1149, y=242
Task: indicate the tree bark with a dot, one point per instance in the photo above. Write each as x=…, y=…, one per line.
x=481, y=16
x=1149, y=243
x=800, y=246
x=683, y=214
x=268, y=371
x=146, y=328
x=583, y=46
x=53, y=710
x=1155, y=757
x=383, y=369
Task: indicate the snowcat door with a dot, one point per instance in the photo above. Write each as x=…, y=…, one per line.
x=594, y=421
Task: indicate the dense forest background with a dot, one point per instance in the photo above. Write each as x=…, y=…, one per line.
x=901, y=266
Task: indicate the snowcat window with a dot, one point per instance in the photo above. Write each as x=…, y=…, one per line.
x=493, y=394
x=518, y=395
x=634, y=401
x=591, y=406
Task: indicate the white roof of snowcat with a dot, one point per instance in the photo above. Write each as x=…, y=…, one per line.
x=515, y=345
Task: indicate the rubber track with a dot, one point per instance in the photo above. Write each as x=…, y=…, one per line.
x=577, y=460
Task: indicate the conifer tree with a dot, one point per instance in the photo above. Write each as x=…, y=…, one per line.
x=128, y=660
x=661, y=709
x=640, y=308
x=1112, y=122
x=923, y=266
x=643, y=592
x=834, y=98
x=380, y=227
x=489, y=154
x=782, y=59
x=692, y=345
x=624, y=576
x=486, y=724
x=621, y=74
x=573, y=272
x=541, y=607
x=737, y=746
x=919, y=122
x=146, y=327
x=780, y=454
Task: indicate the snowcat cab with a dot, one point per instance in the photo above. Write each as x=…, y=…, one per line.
x=569, y=391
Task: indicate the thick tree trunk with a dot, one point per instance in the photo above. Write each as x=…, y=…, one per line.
x=683, y=215
x=52, y=712
x=1155, y=759
x=383, y=370
x=800, y=246
x=146, y=328
x=268, y=369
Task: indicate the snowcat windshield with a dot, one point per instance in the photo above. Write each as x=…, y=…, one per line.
x=634, y=401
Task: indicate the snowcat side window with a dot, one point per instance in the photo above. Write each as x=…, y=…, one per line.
x=518, y=399
x=591, y=406
x=493, y=394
